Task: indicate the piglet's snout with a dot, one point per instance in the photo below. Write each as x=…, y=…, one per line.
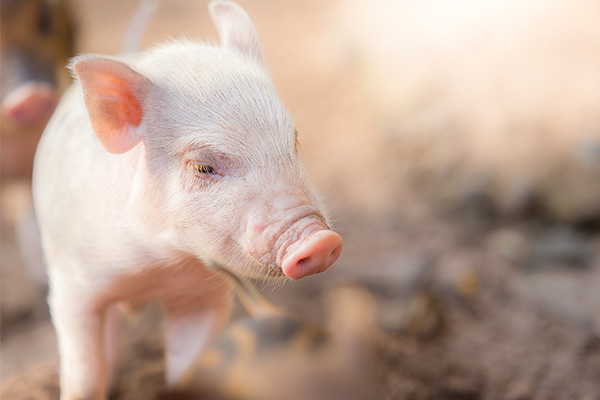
x=312, y=254
x=30, y=104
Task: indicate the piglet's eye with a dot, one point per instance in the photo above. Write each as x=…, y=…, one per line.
x=202, y=168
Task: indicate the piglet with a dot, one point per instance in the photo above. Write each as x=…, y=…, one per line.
x=151, y=171
x=36, y=40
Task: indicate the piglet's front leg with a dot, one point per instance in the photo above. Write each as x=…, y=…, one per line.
x=192, y=322
x=79, y=326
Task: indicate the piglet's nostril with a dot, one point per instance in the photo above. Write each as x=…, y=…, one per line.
x=335, y=254
x=304, y=261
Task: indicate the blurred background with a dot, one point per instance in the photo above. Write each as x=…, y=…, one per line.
x=456, y=143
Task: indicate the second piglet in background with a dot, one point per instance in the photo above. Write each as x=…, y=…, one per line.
x=36, y=40
x=155, y=169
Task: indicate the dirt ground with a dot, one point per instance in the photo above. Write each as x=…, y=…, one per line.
x=469, y=305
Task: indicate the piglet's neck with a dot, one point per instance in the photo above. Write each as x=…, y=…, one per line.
x=143, y=213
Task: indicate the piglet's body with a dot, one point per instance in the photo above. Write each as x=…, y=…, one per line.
x=152, y=170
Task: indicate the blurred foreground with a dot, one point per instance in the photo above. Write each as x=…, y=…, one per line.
x=458, y=144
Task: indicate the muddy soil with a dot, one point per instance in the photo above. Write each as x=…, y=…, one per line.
x=460, y=317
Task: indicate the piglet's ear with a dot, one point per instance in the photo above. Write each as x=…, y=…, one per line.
x=113, y=95
x=236, y=29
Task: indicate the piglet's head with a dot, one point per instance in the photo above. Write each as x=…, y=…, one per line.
x=215, y=152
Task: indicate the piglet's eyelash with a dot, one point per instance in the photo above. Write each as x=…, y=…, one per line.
x=202, y=168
